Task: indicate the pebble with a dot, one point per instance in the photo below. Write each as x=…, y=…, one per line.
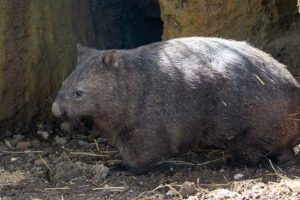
x=82, y=143
x=35, y=143
x=102, y=140
x=60, y=140
x=188, y=189
x=221, y=170
x=44, y=134
x=40, y=162
x=14, y=159
x=171, y=193
x=18, y=137
x=297, y=149
x=100, y=172
x=163, y=180
x=24, y=145
x=66, y=127
x=238, y=176
x=7, y=143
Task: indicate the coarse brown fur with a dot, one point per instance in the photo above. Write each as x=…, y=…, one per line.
x=164, y=98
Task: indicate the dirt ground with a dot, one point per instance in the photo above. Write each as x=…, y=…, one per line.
x=44, y=165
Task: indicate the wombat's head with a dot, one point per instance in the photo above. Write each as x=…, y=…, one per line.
x=89, y=91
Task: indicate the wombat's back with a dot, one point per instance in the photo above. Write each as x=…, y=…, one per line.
x=192, y=55
x=216, y=92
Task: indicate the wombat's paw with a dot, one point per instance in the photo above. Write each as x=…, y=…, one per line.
x=284, y=157
x=252, y=160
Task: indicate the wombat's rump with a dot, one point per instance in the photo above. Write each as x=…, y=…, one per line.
x=164, y=98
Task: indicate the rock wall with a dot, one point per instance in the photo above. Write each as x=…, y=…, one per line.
x=271, y=25
x=37, y=51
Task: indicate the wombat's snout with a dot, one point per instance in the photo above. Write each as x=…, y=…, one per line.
x=56, y=110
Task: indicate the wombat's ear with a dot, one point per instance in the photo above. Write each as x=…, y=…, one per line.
x=111, y=59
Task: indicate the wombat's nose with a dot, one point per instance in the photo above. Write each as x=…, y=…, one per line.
x=56, y=110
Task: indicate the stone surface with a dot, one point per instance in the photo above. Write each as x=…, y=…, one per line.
x=187, y=189
x=273, y=26
x=37, y=51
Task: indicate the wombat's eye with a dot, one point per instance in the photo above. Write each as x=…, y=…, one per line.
x=78, y=93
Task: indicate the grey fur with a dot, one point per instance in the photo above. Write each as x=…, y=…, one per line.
x=166, y=97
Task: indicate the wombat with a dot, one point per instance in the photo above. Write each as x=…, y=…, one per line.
x=164, y=98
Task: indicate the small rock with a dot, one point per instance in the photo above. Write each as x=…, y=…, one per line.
x=82, y=143
x=163, y=180
x=171, y=193
x=14, y=159
x=221, y=170
x=102, y=140
x=100, y=172
x=40, y=162
x=24, y=145
x=187, y=189
x=297, y=149
x=35, y=143
x=66, y=171
x=40, y=126
x=44, y=134
x=18, y=137
x=66, y=127
x=141, y=183
x=7, y=143
x=238, y=176
x=60, y=140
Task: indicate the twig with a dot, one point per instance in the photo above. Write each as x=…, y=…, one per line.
x=157, y=188
x=216, y=185
x=211, y=161
x=259, y=79
x=96, y=143
x=109, y=152
x=53, y=189
x=67, y=156
x=211, y=150
x=45, y=163
x=176, y=162
x=117, y=189
x=21, y=152
x=88, y=154
x=275, y=170
x=113, y=162
x=169, y=186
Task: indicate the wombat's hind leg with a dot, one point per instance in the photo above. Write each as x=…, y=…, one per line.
x=250, y=158
x=284, y=156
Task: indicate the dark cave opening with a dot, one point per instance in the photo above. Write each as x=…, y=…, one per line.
x=125, y=24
